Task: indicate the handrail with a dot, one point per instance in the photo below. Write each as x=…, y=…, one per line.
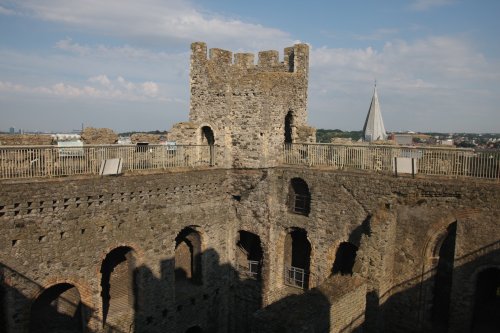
x=51, y=161
x=452, y=162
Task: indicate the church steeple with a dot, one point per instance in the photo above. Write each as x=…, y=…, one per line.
x=374, y=129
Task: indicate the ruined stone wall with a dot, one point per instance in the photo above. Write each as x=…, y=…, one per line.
x=245, y=104
x=405, y=216
x=60, y=230
x=25, y=139
x=56, y=231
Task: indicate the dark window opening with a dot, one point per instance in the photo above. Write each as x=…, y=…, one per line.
x=249, y=254
x=299, y=197
x=487, y=301
x=288, y=127
x=207, y=137
x=297, y=258
x=194, y=329
x=57, y=309
x=443, y=279
x=188, y=256
x=344, y=259
x=118, y=286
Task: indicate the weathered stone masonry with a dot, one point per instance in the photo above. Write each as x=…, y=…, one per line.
x=62, y=231
x=249, y=245
x=245, y=105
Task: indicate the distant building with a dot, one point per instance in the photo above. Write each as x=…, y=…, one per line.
x=12, y=130
x=374, y=129
x=403, y=139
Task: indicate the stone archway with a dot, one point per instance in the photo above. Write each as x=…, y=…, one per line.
x=57, y=309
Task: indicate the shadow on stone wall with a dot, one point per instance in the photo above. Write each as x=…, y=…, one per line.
x=212, y=306
x=409, y=306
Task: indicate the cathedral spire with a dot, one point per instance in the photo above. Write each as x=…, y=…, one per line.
x=374, y=129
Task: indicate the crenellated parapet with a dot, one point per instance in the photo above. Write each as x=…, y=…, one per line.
x=295, y=59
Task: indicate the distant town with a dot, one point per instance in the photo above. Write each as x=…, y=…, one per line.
x=459, y=140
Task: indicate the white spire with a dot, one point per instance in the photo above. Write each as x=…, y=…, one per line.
x=374, y=125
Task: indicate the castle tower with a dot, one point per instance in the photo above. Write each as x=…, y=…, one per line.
x=374, y=129
x=249, y=110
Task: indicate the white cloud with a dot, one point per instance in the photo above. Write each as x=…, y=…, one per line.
x=422, y=5
x=103, y=88
x=102, y=79
x=150, y=89
x=437, y=82
x=172, y=20
x=68, y=45
x=6, y=11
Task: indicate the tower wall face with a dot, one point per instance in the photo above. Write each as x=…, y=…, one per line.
x=245, y=104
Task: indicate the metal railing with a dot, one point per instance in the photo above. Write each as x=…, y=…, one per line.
x=430, y=161
x=50, y=161
x=251, y=269
x=295, y=277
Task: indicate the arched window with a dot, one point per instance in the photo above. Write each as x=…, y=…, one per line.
x=299, y=200
x=57, y=309
x=487, y=301
x=188, y=256
x=207, y=136
x=249, y=254
x=344, y=258
x=297, y=258
x=118, y=287
x=444, y=252
x=288, y=127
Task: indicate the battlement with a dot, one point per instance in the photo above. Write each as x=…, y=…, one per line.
x=295, y=59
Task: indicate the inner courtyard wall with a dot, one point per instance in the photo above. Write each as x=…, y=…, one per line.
x=60, y=231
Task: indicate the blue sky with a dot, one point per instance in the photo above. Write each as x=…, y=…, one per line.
x=124, y=64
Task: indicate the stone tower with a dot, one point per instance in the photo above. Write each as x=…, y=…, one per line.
x=248, y=110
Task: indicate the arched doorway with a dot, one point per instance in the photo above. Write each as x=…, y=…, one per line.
x=118, y=287
x=249, y=254
x=57, y=309
x=344, y=258
x=207, y=136
x=188, y=256
x=297, y=258
x=444, y=252
x=487, y=302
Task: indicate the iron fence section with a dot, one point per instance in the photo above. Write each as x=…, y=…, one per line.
x=430, y=161
x=52, y=161
x=295, y=277
x=251, y=269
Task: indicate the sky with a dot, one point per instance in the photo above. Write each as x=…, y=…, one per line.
x=124, y=64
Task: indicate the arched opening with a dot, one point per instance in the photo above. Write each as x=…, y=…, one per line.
x=207, y=136
x=249, y=254
x=288, y=127
x=194, y=329
x=188, y=256
x=444, y=252
x=118, y=287
x=57, y=309
x=299, y=200
x=297, y=258
x=487, y=301
x=344, y=258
